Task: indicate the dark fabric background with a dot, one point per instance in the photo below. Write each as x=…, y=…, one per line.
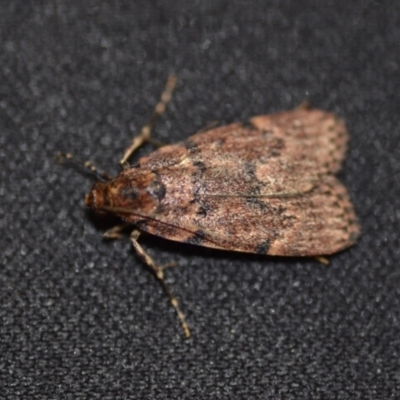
x=83, y=318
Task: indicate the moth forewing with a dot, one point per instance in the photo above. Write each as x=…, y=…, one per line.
x=265, y=188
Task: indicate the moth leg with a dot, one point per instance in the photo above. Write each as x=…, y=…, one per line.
x=304, y=105
x=145, y=132
x=170, y=265
x=85, y=164
x=159, y=273
x=322, y=260
x=116, y=231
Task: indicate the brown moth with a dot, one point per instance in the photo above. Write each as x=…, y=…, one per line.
x=268, y=187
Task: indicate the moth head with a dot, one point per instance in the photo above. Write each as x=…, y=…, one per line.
x=133, y=191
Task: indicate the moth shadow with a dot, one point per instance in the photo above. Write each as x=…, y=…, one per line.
x=102, y=222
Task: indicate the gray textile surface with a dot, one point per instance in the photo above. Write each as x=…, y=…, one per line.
x=83, y=318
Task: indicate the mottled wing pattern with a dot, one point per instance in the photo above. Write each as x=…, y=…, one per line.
x=285, y=153
x=313, y=135
x=321, y=221
x=263, y=189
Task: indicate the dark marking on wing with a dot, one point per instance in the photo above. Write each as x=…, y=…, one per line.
x=263, y=247
x=256, y=202
x=190, y=145
x=200, y=166
x=157, y=189
x=197, y=238
x=141, y=224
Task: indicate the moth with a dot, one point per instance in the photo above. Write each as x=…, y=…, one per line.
x=266, y=187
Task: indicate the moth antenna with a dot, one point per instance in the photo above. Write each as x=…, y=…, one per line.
x=145, y=132
x=102, y=176
x=159, y=274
